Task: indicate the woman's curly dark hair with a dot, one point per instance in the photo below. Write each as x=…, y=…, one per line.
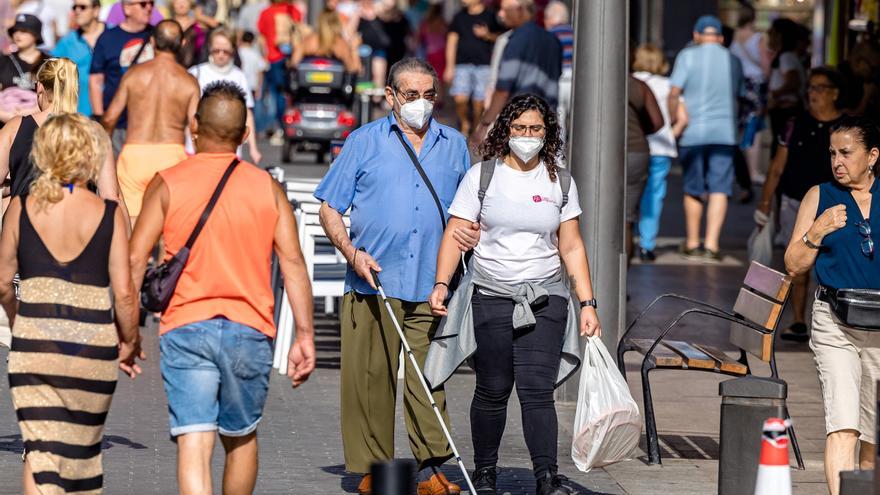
x=495, y=145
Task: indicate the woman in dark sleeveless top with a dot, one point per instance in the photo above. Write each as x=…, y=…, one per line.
x=69, y=247
x=57, y=92
x=834, y=233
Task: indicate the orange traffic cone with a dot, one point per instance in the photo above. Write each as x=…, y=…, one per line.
x=774, y=473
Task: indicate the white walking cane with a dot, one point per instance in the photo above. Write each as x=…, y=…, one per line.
x=424, y=383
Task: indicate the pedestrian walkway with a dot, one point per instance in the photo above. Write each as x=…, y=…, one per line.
x=300, y=444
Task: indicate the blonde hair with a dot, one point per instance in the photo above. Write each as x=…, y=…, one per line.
x=68, y=149
x=60, y=79
x=649, y=58
x=329, y=29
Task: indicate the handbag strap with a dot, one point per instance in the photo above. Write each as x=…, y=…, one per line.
x=211, y=203
x=415, y=161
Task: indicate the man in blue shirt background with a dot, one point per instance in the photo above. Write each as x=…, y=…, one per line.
x=395, y=219
x=710, y=79
x=78, y=46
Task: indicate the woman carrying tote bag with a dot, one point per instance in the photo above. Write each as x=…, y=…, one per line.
x=513, y=314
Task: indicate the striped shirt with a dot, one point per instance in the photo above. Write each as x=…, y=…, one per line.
x=565, y=34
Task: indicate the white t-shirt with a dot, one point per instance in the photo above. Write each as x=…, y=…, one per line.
x=206, y=74
x=519, y=221
x=662, y=142
x=252, y=64
x=788, y=61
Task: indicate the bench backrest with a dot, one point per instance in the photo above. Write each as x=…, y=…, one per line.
x=760, y=300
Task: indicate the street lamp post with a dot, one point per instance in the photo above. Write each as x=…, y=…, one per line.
x=598, y=151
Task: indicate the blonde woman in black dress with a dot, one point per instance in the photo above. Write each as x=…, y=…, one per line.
x=70, y=248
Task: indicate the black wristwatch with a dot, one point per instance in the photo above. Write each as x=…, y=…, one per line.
x=589, y=302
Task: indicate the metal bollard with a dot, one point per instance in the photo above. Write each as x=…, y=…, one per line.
x=856, y=482
x=396, y=477
x=745, y=404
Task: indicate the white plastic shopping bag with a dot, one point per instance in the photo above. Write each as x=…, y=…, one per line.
x=760, y=243
x=607, y=424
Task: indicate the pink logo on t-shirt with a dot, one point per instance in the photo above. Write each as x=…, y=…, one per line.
x=536, y=198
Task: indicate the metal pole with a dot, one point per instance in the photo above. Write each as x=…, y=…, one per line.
x=315, y=8
x=598, y=131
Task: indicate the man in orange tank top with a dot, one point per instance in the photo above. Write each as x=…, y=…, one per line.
x=215, y=343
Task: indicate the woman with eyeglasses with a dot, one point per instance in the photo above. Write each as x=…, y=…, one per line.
x=833, y=232
x=801, y=162
x=514, y=313
x=221, y=67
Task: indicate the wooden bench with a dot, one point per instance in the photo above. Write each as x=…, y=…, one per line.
x=753, y=321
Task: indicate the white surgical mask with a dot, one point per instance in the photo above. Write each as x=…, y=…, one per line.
x=525, y=147
x=416, y=113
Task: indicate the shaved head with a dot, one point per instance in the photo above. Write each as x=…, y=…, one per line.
x=222, y=113
x=168, y=36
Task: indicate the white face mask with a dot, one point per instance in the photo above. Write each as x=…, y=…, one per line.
x=416, y=113
x=525, y=147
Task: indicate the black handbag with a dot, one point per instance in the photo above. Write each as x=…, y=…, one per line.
x=462, y=262
x=856, y=308
x=161, y=281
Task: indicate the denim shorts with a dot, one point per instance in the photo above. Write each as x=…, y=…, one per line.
x=216, y=376
x=470, y=80
x=708, y=168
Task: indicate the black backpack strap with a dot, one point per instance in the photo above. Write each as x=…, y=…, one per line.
x=213, y=201
x=427, y=181
x=564, y=177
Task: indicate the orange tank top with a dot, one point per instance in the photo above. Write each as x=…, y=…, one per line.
x=228, y=273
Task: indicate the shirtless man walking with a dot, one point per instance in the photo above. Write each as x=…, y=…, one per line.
x=161, y=99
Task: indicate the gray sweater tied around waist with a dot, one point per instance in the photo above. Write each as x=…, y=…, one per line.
x=455, y=342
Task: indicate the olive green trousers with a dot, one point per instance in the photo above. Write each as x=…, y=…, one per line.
x=370, y=359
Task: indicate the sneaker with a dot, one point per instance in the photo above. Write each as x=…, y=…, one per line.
x=797, y=332
x=277, y=138
x=647, y=255
x=711, y=256
x=691, y=253
x=484, y=480
x=552, y=484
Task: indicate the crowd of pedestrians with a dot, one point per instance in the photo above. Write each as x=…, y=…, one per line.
x=817, y=190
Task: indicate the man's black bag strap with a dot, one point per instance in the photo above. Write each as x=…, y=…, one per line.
x=427, y=181
x=137, y=56
x=211, y=203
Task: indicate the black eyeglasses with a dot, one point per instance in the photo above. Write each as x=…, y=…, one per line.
x=77, y=8
x=411, y=96
x=521, y=129
x=867, y=243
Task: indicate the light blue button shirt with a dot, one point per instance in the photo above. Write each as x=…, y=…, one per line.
x=710, y=78
x=393, y=215
x=74, y=47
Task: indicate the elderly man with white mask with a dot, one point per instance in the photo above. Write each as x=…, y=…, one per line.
x=398, y=214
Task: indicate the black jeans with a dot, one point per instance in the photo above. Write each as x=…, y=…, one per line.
x=528, y=358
